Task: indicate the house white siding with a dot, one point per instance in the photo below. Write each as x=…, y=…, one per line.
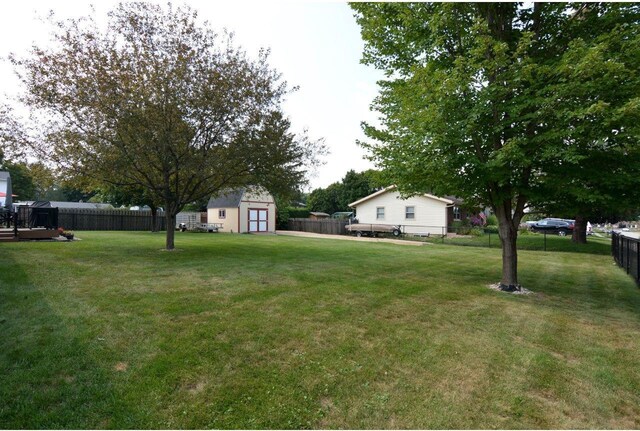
x=430, y=214
x=5, y=188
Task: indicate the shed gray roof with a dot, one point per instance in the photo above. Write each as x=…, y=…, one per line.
x=227, y=199
x=4, y=175
x=59, y=204
x=80, y=205
x=77, y=205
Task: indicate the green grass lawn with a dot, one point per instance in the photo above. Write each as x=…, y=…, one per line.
x=243, y=331
x=530, y=241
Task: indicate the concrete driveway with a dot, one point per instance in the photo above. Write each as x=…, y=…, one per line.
x=349, y=238
x=635, y=235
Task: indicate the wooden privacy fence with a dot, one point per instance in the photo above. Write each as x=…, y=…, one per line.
x=96, y=219
x=326, y=226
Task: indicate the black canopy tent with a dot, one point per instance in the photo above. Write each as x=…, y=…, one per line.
x=41, y=214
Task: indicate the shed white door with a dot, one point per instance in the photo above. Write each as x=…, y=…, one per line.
x=258, y=220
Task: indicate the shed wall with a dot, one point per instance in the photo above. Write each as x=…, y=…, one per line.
x=257, y=200
x=229, y=223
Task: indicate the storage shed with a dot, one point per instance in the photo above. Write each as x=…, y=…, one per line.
x=250, y=209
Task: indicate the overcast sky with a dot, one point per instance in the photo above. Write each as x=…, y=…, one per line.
x=315, y=45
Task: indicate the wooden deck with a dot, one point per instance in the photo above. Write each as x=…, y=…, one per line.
x=27, y=234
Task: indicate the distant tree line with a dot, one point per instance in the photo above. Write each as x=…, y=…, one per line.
x=337, y=196
x=37, y=182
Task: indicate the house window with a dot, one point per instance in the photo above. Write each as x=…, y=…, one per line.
x=379, y=213
x=410, y=213
x=456, y=213
x=222, y=213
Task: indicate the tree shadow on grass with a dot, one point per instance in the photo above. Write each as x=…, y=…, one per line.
x=598, y=291
x=50, y=378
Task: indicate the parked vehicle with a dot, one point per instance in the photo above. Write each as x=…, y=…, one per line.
x=558, y=226
x=360, y=229
x=200, y=227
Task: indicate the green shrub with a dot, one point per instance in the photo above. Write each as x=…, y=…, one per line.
x=491, y=229
x=492, y=220
x=476, y=231
x=461, y=227
x=295, y=212
x=282, y=218
x=524, y=230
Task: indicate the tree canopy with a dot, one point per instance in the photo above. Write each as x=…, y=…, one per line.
x=596, y=91
x=337, y=196
x=12, y=135
x=159, y=101
x=475, y=91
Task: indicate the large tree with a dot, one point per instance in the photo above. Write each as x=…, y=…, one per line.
x=12, y=135
x=338, y=196
x=468, y=106
x=325, y=199
x=597, y=92
x=158, y=100
x=12, y=155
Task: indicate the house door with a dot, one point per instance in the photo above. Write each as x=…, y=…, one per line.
x=258, y=220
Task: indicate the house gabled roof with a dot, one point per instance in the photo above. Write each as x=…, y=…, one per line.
x=456, y=200
x=391, y=188
x=227, y=199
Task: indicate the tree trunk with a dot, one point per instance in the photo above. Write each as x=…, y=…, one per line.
x=171, y=229
x=580, y=230
x=154, y=218
x=508, y=237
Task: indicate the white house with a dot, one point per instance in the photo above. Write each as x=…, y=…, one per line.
x=422, y=214
x=5, y=189
x=243, y=210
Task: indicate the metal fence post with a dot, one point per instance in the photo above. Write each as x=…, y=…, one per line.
x=638, y=261
x=628, y=247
